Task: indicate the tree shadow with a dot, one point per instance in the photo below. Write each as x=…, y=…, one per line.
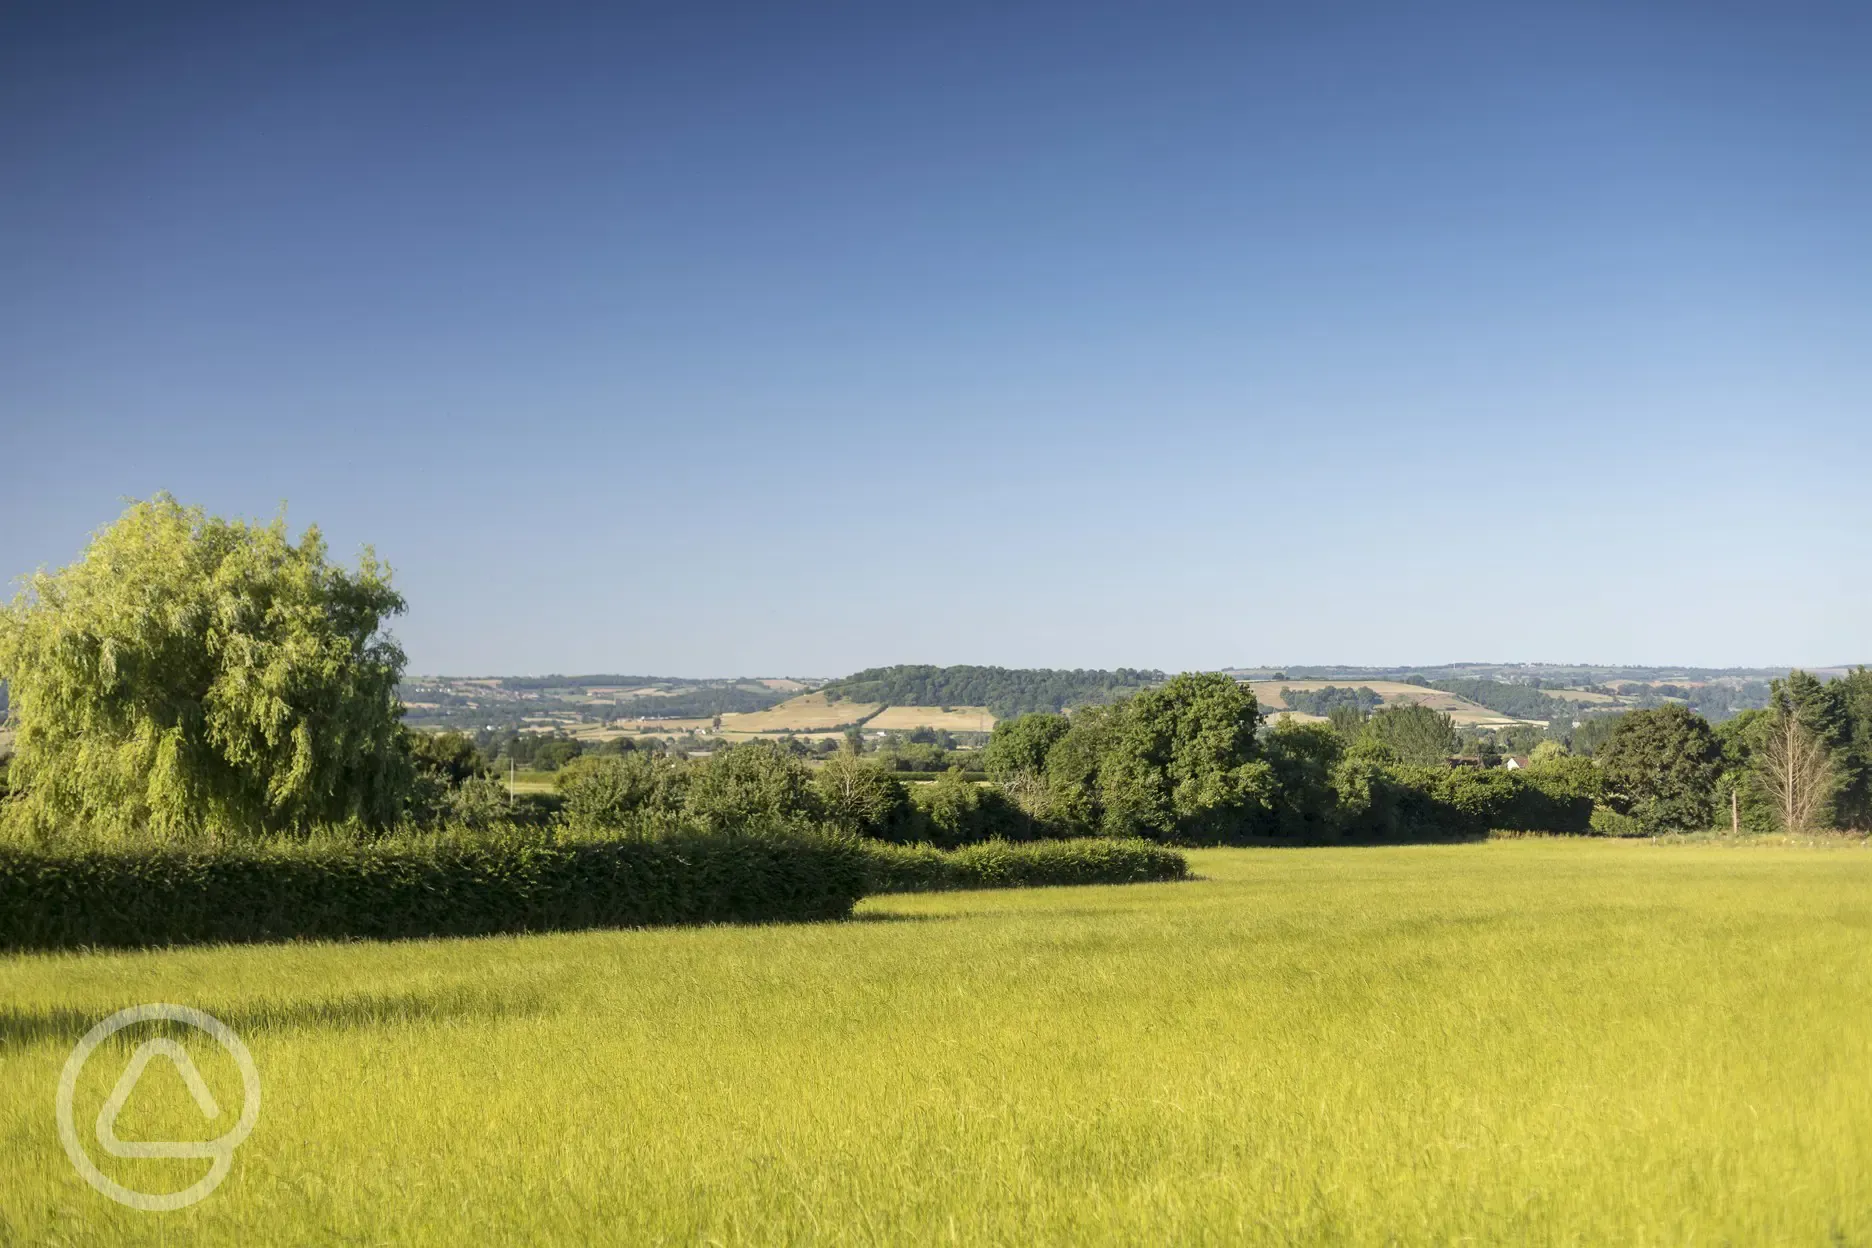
x=20, y=1028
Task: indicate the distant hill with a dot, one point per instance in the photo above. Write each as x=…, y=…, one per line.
x=1005, y=691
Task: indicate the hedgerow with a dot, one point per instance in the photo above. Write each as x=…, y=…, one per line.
x=119, y=896
x=1002, y=864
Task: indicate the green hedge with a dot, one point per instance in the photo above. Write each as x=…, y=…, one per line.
x=1002, y=864
x=103, y=897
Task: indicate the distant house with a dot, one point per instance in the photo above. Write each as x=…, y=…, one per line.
x=1516, y=762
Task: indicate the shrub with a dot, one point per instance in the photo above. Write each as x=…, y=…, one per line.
x=860, y=797
x=614, y=790
x=953, y=812
x=1000, y=864
x=446, y=887
x=749, y=783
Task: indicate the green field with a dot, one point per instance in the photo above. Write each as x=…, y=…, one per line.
x=1528, y=1041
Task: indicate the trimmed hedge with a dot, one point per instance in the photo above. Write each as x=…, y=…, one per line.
x=101, y=897
x=1002, y=864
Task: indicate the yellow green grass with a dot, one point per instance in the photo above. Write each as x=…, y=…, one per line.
x=1529, y=1041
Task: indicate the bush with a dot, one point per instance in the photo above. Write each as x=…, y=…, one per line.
x=750, y=783
x=954, y=812
x=1000, y=864
x=614, y=790
x=114, y=897
x=861, y=797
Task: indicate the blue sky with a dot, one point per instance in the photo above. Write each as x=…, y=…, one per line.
x=790, y=339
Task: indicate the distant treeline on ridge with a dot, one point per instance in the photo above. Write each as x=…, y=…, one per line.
x=1005, y=691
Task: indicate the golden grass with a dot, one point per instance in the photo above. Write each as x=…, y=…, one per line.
x=1579, y=695
x=955, y=719
x=808, y=712
x=1508, y=1042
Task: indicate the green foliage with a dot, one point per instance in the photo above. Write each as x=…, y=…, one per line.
x=860, y=797
x=1361, y=701
x=1418, y=735
x=1303, y=758
x=1182, y=762
x=1002, y=864
x=450, y=757
x=1594, y=731
x=1022, y=745
x=192, y=673
x=617, y=791
x=451, y=887
x=748, y=783
x=1514, y=701
x=1661, y=767
x=953, y=811
x=1348, y=722
x=552, y=753
x=1006, y=692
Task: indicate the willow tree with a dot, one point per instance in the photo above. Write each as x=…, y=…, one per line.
x=196, y=674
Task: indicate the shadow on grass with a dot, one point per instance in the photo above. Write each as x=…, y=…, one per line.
x=20, y=1028
x=892, y=916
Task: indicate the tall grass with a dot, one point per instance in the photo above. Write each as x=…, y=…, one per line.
x=1501, y=1042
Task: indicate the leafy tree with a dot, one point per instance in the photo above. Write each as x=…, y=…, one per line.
x=1007, y=692
x=1021, y=746
x=750, y=783
x=1072, y=769
x=1332, y=697
x=860, y=797
x=553, y=753
x=1348, y=722
x=449, y=756
x=609, y=790
x=1852, y=693
x=1303, y=758
x=1418, y=735
x=1183, y=761
x=1661, y=767
x=955, y=812
x=192, y=673
x=1593, y=732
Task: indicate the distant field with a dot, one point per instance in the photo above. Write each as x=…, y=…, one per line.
x=1580, y=695
x=1555, y=1042
x=1394, y=692
x=807, y=712
x=955, y=719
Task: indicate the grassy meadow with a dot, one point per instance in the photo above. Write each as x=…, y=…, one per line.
x=1512, y=1041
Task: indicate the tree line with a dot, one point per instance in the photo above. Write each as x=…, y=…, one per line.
x=1006, y=692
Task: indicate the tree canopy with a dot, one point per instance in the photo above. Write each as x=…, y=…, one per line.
x=1661, y=767
x=1418, y=735
x=1006, y=692
x=193, y=673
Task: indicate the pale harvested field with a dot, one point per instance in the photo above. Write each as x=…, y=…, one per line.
x=1580, y=695
x=955, y=719
x=1394, y=692
x=810, y=712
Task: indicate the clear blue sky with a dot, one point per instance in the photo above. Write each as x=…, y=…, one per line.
x=788, y=339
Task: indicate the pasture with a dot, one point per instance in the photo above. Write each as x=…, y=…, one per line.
x=1511, y=1041
x=954, y=719
x=1394, y=692
x=809, y=712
